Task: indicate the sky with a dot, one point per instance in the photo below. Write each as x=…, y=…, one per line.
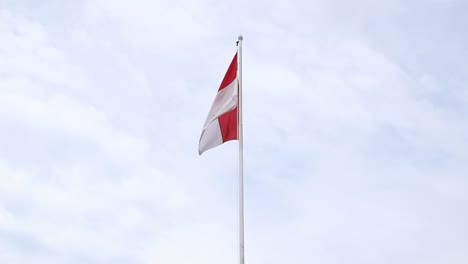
x=355, y=132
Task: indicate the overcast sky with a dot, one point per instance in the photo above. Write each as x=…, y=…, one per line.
x=356, y=132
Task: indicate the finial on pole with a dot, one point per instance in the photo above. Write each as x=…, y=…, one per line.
x=240, y=38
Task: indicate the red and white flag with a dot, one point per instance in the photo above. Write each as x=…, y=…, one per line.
x=221, y=123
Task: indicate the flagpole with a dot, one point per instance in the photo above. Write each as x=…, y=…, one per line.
x=241, y=154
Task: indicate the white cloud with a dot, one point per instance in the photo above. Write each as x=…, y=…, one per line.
x=156, y=26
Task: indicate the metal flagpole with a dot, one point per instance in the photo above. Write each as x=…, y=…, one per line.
x=241, y=156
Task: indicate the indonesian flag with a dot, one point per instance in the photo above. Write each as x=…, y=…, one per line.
x=221, y=123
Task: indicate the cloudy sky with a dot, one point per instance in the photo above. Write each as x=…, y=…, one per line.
x=356, y=132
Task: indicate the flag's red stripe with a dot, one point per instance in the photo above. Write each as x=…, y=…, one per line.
x=228, y=125
x=231, y=74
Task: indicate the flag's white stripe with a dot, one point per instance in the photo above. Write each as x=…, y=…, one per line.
x=211, y=137
x=225, y=101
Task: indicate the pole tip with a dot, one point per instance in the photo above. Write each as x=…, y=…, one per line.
x=240, y=37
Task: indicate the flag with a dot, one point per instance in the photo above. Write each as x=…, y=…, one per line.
x=221, y=123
